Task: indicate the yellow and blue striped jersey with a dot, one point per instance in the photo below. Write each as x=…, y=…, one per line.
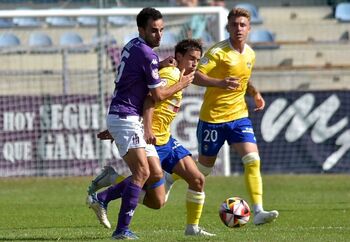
x=165, y=111
x=221, y=61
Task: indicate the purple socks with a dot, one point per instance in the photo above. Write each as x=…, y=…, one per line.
x=128, y=206
x=113, y=192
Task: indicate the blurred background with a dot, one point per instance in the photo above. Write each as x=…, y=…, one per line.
x=58, y=60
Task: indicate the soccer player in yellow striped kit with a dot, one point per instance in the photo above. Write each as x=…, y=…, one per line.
x=224, y=113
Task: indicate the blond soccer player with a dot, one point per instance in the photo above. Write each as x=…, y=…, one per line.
x=224, y=113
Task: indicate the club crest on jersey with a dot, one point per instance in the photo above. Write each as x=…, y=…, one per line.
x=204, y=61
x=155, y=73
x=249, y=65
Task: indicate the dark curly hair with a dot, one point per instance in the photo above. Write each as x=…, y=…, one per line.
x=146, y=14
x=188, y=44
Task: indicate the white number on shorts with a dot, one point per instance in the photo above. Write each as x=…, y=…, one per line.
x=210, y=135
x=122, y=65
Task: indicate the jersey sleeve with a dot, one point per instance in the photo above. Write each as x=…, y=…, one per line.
x=152, y=71
x=169, y=75
x=208, y=62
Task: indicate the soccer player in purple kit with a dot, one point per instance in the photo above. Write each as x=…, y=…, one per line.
x=173, y=156
x=137, y=76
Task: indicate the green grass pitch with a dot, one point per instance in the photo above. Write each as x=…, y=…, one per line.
x=312, y=208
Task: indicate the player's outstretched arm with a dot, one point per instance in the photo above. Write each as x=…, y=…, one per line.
x=160, y=93
x=201, y=79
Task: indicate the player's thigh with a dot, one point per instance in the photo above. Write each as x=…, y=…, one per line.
x=127, y=132
x=171, y=153
x=156, y=171
x=245, y=148
x=137, y=161
x=242, y=137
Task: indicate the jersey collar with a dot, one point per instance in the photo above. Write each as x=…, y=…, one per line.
x=244, y=47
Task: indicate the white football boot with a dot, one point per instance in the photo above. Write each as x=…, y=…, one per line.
x=99, y=208
x=264, y=217
x=197, y=231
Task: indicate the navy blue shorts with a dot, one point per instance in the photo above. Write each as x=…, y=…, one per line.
x=170, y=154
x=211, y=136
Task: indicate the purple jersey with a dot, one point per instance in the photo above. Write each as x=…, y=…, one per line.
x=137, y=72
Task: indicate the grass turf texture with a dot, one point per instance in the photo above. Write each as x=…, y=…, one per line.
x=312, y=208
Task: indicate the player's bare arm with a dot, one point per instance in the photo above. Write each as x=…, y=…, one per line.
x=159, y=94
x=202, y=79
x=258, y=99
x=148, y=108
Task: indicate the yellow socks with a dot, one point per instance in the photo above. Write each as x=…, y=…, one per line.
x=252, y=176
x=194, y=206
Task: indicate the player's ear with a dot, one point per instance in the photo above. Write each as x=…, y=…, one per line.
x=178, y=57
x=141, y=31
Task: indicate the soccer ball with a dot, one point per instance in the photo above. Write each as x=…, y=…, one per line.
x=234, y=212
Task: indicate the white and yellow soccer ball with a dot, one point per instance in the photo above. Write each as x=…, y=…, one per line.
x=234, y=212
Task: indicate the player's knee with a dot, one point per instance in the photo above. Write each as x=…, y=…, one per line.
x=154, y=177
x=142, y=175
x=251, y=164
x=251, y=158
x=197, y=182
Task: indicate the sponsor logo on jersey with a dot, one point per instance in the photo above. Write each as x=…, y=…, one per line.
x=249, y=65
x=154, y=62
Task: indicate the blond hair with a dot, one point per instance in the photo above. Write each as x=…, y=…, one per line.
x=239, y=12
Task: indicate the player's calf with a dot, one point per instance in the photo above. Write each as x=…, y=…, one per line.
x=155, y=194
